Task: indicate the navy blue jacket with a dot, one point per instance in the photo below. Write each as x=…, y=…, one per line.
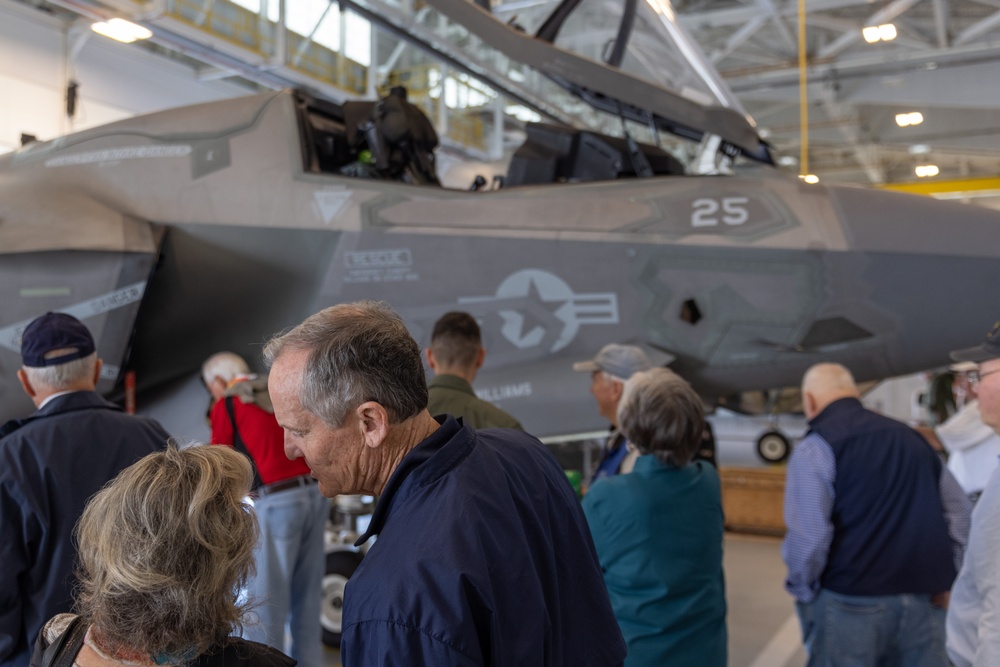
x=483, y=557
x=50, y=464
x=890, y=534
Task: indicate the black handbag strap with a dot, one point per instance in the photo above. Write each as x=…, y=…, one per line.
x=62, y=652
x=241, y=446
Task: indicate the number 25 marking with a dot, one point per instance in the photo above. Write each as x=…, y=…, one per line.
x=705, y=211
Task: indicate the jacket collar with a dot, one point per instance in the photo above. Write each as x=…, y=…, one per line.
x=835, y=411
x=71, y=402
x=430, y=460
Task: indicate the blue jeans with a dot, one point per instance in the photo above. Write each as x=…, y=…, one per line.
x=290, y=564
x=879, y=631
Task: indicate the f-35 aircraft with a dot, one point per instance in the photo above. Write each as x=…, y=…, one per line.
x=180, y=233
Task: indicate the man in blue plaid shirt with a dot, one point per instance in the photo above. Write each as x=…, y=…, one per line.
x=876, y=528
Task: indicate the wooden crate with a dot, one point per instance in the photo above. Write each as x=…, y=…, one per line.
x=753, y=498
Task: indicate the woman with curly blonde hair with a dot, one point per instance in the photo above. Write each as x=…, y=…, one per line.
x=164, y=550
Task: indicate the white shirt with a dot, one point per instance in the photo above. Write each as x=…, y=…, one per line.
x=974, y=609
x=973, y=447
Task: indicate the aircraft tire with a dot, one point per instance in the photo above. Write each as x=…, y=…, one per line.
x=340, y=565
x=773, y=447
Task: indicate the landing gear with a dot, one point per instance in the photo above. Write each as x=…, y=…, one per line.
x=340, y=565
x=342, y=559
x=773, y=447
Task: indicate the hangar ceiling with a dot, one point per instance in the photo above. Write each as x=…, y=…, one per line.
x=943, y=64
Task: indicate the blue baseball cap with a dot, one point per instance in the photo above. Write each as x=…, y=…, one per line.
x=52, y=332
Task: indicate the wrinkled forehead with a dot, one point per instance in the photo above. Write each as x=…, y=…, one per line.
x=287, y=373
x=989, y=365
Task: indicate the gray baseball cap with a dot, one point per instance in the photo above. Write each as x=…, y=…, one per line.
x=620, y=361
x=990, y=348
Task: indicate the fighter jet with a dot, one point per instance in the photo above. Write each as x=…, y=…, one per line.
x=177, y=234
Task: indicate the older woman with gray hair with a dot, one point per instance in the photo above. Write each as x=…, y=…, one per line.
x=164, y=550
x=658, y=530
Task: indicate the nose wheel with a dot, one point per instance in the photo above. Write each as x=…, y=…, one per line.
x=340, y=565
x=773, y=447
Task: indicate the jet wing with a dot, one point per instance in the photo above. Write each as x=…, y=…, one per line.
x=64, y=250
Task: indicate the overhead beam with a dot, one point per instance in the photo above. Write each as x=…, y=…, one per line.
x=977, y=30
x=779, y=23
x=739, y=15
x=787, y=75
x=738, y=38
x=942, y=22
x=884, y=15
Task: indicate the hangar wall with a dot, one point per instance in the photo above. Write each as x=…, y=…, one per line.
x=115, y=80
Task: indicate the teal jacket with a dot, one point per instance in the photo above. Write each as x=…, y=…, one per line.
x=658, y=532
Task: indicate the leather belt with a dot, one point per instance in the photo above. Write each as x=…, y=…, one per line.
x=285, y=484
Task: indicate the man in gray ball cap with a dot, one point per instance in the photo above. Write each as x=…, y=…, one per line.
x=609, y=370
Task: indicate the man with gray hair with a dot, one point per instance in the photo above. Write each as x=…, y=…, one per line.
x=50, y=464
x=609, y=370
x=876, y=527
x=483, y=555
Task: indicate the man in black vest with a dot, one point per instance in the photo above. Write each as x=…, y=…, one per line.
x=876, y=528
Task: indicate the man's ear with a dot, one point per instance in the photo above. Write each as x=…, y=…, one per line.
x=430, y=359
x=809, y=405
x=374, y=422
x=98, y=365
x=480, y=358
x=617, y=389
x=25, y=383
x=217, y=387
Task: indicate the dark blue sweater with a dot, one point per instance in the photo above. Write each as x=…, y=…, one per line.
x=483, y=557
x=50, y=464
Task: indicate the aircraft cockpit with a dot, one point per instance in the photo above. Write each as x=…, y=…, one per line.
x=389, y=139
x=607, y=102
x=392, y=139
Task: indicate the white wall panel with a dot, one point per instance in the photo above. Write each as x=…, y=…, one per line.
x=115, y=80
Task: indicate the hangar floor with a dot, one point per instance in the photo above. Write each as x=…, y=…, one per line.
x=763, y=630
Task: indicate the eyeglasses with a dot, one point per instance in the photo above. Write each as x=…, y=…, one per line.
x=977, y=375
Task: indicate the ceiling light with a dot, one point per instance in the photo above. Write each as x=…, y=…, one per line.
x=925, y=170
x=919, y=149
x=121, y=30
x=809, y=178
x=879, y=33
x=787, y=161
x=908, y=119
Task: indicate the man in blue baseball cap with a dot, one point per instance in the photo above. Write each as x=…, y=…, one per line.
x=50, y=464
